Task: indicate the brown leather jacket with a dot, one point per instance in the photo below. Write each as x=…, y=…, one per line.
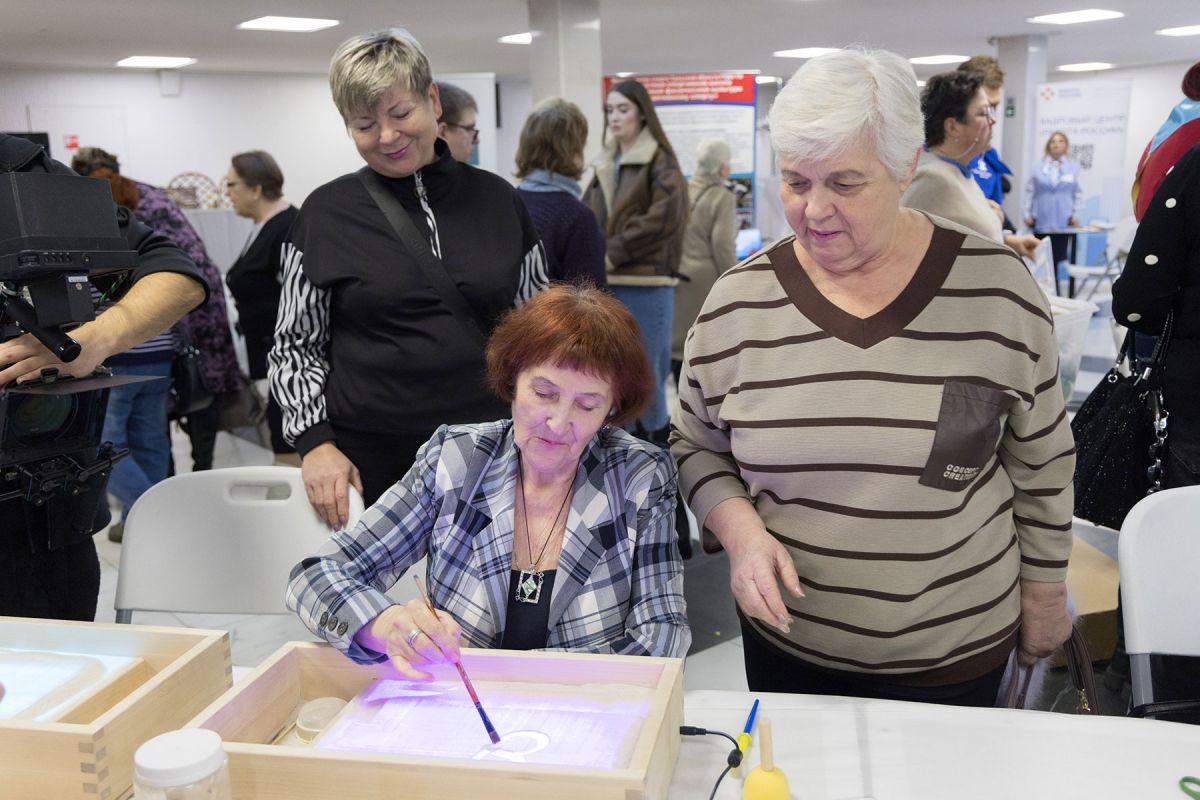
x=642, y=210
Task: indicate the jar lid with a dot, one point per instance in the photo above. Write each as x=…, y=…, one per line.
x=315, y=715
x=177, y=758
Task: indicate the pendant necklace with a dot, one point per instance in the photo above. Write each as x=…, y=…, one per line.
x=529, y=581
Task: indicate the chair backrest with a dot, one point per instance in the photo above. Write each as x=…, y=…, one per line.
x=1158, y=553
x=220, y=541
x=1121, y=237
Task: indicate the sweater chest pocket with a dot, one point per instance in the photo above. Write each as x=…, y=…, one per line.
x=968, y=430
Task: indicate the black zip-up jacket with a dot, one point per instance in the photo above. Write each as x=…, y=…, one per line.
x=363, y=341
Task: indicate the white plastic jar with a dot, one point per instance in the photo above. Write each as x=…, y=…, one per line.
x=182, y=765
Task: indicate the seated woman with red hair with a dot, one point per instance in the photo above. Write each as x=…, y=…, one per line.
x=552, y=529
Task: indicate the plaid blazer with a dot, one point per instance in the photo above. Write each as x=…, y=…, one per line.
x=619, y=587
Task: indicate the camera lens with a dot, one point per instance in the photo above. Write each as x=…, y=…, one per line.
x=39, y=418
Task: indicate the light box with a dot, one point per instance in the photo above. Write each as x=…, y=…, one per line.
x=372, y=750
x=103, y=690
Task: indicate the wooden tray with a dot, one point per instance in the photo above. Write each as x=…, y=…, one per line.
x=263, y=705
x=87, y=752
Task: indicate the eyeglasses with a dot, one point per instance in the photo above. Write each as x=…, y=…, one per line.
x=988, y=112
x=471, y=129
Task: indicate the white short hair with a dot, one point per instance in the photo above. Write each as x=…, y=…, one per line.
x=838, y=99
x=710, y=155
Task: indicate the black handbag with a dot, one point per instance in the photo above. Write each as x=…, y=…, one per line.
x=1121, y=436
x=189, y=392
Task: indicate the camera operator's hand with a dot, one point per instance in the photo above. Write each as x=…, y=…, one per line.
x=26, y=357
x=150, y=307
x=327, y=475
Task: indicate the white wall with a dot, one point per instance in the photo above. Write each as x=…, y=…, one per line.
x=516, y=101
x=1154, y=92
x=292, y=117
x=214, y=117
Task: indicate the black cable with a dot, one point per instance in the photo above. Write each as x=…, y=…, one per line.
x=732, y=761
x=720, y=778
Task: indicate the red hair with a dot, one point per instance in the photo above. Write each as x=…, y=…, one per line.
x=124, y=191
x=578, y=327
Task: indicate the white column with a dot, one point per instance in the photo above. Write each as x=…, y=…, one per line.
x=1023, y=59
x=564, y=58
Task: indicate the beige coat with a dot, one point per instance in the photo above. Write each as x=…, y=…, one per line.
x=642, y=208
x=709, y=248
x=940, y=188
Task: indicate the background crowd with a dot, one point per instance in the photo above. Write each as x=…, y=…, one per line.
x=489, y=364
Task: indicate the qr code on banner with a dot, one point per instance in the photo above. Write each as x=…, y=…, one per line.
x=1083, y=153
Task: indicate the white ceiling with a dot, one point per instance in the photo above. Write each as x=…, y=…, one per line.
x=638, y=36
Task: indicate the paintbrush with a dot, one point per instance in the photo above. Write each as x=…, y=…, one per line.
x=462, y=673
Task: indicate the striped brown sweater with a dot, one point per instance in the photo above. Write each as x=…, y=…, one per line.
x=916, y=464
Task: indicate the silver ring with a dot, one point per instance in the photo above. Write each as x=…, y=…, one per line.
x=412, y=637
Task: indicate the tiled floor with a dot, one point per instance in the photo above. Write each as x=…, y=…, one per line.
x=716, y=658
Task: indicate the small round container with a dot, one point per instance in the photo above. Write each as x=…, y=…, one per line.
x=315, y=715
x=181, y=765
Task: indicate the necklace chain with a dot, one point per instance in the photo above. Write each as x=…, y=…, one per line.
x=533, y=565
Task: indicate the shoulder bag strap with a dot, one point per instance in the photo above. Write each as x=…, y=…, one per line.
x=703, y=192
x=434, y=270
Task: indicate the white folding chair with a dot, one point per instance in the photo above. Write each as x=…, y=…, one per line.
x=1158, y=551
x=1091, y=278
x=220, y=541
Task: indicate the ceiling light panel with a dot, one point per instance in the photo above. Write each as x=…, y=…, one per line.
x=1076, y=17
x=805, y=52
x=1186, y=30
x=1086, y=66
x=155, y=62
x=517, y=38
x=942, y=59
x=287, y=24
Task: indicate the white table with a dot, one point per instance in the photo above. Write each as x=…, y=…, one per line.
x=835, y=748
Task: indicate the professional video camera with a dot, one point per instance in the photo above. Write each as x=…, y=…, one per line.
x=55, y=231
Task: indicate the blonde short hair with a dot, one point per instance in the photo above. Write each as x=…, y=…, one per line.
x=366, y=66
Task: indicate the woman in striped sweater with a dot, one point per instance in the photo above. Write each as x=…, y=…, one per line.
x=870, y=409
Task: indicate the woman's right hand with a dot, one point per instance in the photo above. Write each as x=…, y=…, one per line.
x=1029, y=222
x=327, y=476
x=412, y=635
x=758, y=563
x=1024, y=244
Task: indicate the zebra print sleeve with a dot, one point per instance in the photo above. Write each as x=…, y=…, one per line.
x=534, y=276
x=298, y=364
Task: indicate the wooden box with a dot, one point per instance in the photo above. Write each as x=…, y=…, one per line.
x=87, y=750
x=263, y=706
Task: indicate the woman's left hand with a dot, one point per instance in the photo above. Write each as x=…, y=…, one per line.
x=1045, y=622
x=1072, y=222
